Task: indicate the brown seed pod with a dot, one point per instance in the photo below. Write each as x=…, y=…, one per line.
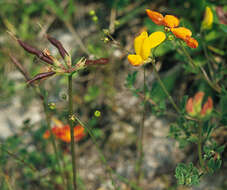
x=58, y=45
x=41, y=76
x=101, y=61
x=35, y=51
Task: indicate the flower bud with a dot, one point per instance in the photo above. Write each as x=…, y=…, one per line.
x=207, y=107
x=190, y=107
x=208, y=19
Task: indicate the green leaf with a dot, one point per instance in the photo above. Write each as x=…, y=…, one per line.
x=131, y=79
x=223, y=27
x=187, y=174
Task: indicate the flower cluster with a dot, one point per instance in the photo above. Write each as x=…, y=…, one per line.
x=194, y=106
x=63, y=133
x=143, y=45
x=172, y=23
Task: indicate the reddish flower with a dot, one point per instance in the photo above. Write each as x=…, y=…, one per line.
x=207, y=108
x=194, y=106
x=63, y=133
x=156, y=17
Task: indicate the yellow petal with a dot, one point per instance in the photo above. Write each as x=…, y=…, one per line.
x=138, y=42
x=208, y=19
x=152, y=41
x=135, y=60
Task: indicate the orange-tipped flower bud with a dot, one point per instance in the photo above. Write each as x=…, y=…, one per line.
x=191, y=42
x=197, y=101
x=190, y=107
x=194, y=106
x=156, y=17
x=207, y=107
x=171, y=21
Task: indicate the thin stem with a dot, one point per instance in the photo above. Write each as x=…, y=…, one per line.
x=73, y=154
x=216, y=87
x=141, y=133
x=53, y=142
x=164, y=88
x=102, y=157
x=200, y=145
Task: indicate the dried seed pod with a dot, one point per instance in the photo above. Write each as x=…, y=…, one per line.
x=101, y=61
x=41, y=76
x=58, y=45
x=20, y=67
x=35, y=51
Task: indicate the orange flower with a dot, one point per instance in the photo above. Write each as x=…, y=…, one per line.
x=63, y=133
x=194, y=106
x=156, y=17
x=172, y=22
x=169, y=20
x=191, y=42
x=181, y=32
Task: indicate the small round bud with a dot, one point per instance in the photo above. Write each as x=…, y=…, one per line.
x=97, y=113
x=170, y=37
x=95, y=18
x=167, y=29
x=52, y=105
x=92, y=12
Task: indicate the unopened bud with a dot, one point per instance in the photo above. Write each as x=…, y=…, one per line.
x=92, y=12
x=208, y=19
x=97, y=113
x=95, y=18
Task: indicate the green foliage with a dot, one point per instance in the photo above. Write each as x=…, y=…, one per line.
x=187, y=174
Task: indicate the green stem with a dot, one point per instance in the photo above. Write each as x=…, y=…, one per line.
x=215, y=87
x=164, y=88
x=102, y=157
x=73, y=154
x=200, y=145
x=141, y=133
x=53, y=142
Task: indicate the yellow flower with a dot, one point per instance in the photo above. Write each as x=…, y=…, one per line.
x=208, y=19
x=143, y=45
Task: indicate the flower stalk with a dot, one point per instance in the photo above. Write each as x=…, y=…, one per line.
x=71, y=120
x=141, y=133
x=164, y=88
